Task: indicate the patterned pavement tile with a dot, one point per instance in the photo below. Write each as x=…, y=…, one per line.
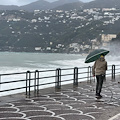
x=46, y=118
x=43, y=99
x=81, y=105
x=73, y=93
x=7, y=105
x=64, y=98
x=4, y=109
x=67, y=104
x=30, y=113
x=14, y=118
x=11, y=114
x=23, y=104
x=60, y=112
x=90, y=110
x=57, y=95
x=48, y=102
x=96, y=115
x=75, y=116
x=25, y=108
x=59, y=107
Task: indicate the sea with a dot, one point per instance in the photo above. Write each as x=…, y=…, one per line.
x=16, y=62
x=12, y=62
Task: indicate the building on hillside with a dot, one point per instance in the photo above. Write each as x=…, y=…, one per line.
x=108, y=9
x=75, y=47
x=38, y=48
x=95, y=44
x=107, y=37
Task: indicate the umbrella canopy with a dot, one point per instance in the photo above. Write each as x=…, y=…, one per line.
x=94, y=55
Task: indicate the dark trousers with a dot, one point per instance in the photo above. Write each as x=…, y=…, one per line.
x=99, y=83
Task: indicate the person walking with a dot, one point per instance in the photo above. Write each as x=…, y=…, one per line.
x=99, y=70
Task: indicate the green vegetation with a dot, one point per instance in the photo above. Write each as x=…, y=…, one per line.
x=48, y=28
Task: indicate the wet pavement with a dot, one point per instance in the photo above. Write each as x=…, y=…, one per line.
x=69, y=103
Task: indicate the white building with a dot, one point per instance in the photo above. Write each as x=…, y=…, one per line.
x=75, y=46
x=33, y=20
x=107, y=37
x=37, y=48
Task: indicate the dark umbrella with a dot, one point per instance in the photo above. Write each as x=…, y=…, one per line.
x=94, y=55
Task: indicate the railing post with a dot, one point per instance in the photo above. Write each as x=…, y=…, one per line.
x=29, y=83
x=28, y=76
x=89, y=74
x=58, y=79
x=75, y=82
x=0, y=82
x=36, y=82
x=113, y=72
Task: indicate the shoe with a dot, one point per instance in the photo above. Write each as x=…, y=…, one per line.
x=99, y=96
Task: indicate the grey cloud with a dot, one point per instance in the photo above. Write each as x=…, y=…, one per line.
x=26, y=1
x=15, y=2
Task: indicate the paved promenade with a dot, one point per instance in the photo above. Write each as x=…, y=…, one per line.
x=78, y=103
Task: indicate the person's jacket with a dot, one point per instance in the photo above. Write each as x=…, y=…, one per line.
x=99, y=67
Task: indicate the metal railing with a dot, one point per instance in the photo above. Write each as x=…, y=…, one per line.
x=36, y=80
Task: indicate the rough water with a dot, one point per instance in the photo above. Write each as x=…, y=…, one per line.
x=11, y=62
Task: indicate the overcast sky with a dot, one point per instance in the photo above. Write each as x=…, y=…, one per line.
x=23, y=2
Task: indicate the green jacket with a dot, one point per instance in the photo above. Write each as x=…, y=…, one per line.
x=99, y=67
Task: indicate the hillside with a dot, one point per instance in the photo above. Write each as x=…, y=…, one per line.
x=38, y=5
x=103, y=4
x=55, y=30
x=64, y=5
x=70, y=6
x=9, y=7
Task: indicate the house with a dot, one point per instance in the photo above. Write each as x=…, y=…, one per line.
x=106, y=38
x=33, y=20
x=95, y=44
x=37, y=48
x=75, y=46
